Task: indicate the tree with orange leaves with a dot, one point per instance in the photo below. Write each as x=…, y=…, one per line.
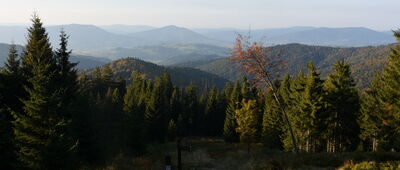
x=255, y=60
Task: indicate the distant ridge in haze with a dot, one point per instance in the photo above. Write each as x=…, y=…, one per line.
x=126, y=29
x=336, y=37
x=91, y=37
x=173, y=35
x=344, y=37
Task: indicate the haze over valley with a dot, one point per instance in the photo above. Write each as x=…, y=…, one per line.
x=199, y=84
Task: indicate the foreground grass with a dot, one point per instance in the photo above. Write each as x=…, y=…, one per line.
x=213, y=153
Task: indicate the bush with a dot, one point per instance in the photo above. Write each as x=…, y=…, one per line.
x=390, y=165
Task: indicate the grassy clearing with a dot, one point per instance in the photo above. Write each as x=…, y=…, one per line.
x=213, y=153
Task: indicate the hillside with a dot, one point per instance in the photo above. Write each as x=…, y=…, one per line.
x=365, y=61
x=339, y=37
x=344, y=37
x=126, y=29
x=181, y=76
x=83, y=37
x=173, y=35
x=166, y=54
x=229, y=34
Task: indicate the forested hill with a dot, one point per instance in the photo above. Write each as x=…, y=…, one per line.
x=365, y=61
x=181, y=76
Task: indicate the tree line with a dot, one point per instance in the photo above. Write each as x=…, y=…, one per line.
x=51, y=117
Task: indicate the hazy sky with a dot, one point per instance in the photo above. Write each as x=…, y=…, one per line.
x=376, y=14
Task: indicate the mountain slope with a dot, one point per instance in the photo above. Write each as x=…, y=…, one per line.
x=167, y=54
x=355, y=37
x=172, y=35
x=343, y=37
x=365, y=61
x=229, y=35
x=181, y=76
x=126, y=29
x=90, y=37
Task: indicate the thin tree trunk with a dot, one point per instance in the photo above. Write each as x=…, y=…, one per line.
x=285, y=116
x=374, y=143
x=248, y=147
x=308, y=141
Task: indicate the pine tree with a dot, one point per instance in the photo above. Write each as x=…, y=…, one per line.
x=11, y=90
x=230, y=124
x=246, y=118
x=134, y=112
x=310, y=111
x=132, y=96
x=12, y=65
x=191, y=115
x=168, y=89
x=291, y=91
x=272, y=123
x=40, y=130
x=68, y=73
x=175, y=103
x=13, y=81
x=212, y=114
x=155, y=118
x=371, y=116
x=7, y=158
x=343, y=107
x=385, y=94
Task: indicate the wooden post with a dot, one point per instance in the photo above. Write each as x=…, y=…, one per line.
x=168, y=165
x=178, y=147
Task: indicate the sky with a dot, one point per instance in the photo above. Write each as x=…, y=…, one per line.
x=374, y=14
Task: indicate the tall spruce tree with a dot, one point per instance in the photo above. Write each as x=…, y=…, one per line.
x=230, y=124
x=213, y=114
x=246, y=118
x=11, y=90
x=12, y=65
x=272, y=123
x=13, y=81
x=385, y=94
x=191, y=116
x=134, y=115
x=372, y=130
x=155, y=118
x=68, y=73
x=41, y=130
x=291, y=90
x=343, y=107
x=311, y=108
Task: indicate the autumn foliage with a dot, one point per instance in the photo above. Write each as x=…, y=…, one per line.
x=257, y=60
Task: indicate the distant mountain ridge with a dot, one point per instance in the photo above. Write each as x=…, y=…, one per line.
x=91, y=37
x=173, y=35
x=336, y=37
x=126, y=29
x=341, y=37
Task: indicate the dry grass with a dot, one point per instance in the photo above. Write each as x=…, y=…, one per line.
x=213, y=153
